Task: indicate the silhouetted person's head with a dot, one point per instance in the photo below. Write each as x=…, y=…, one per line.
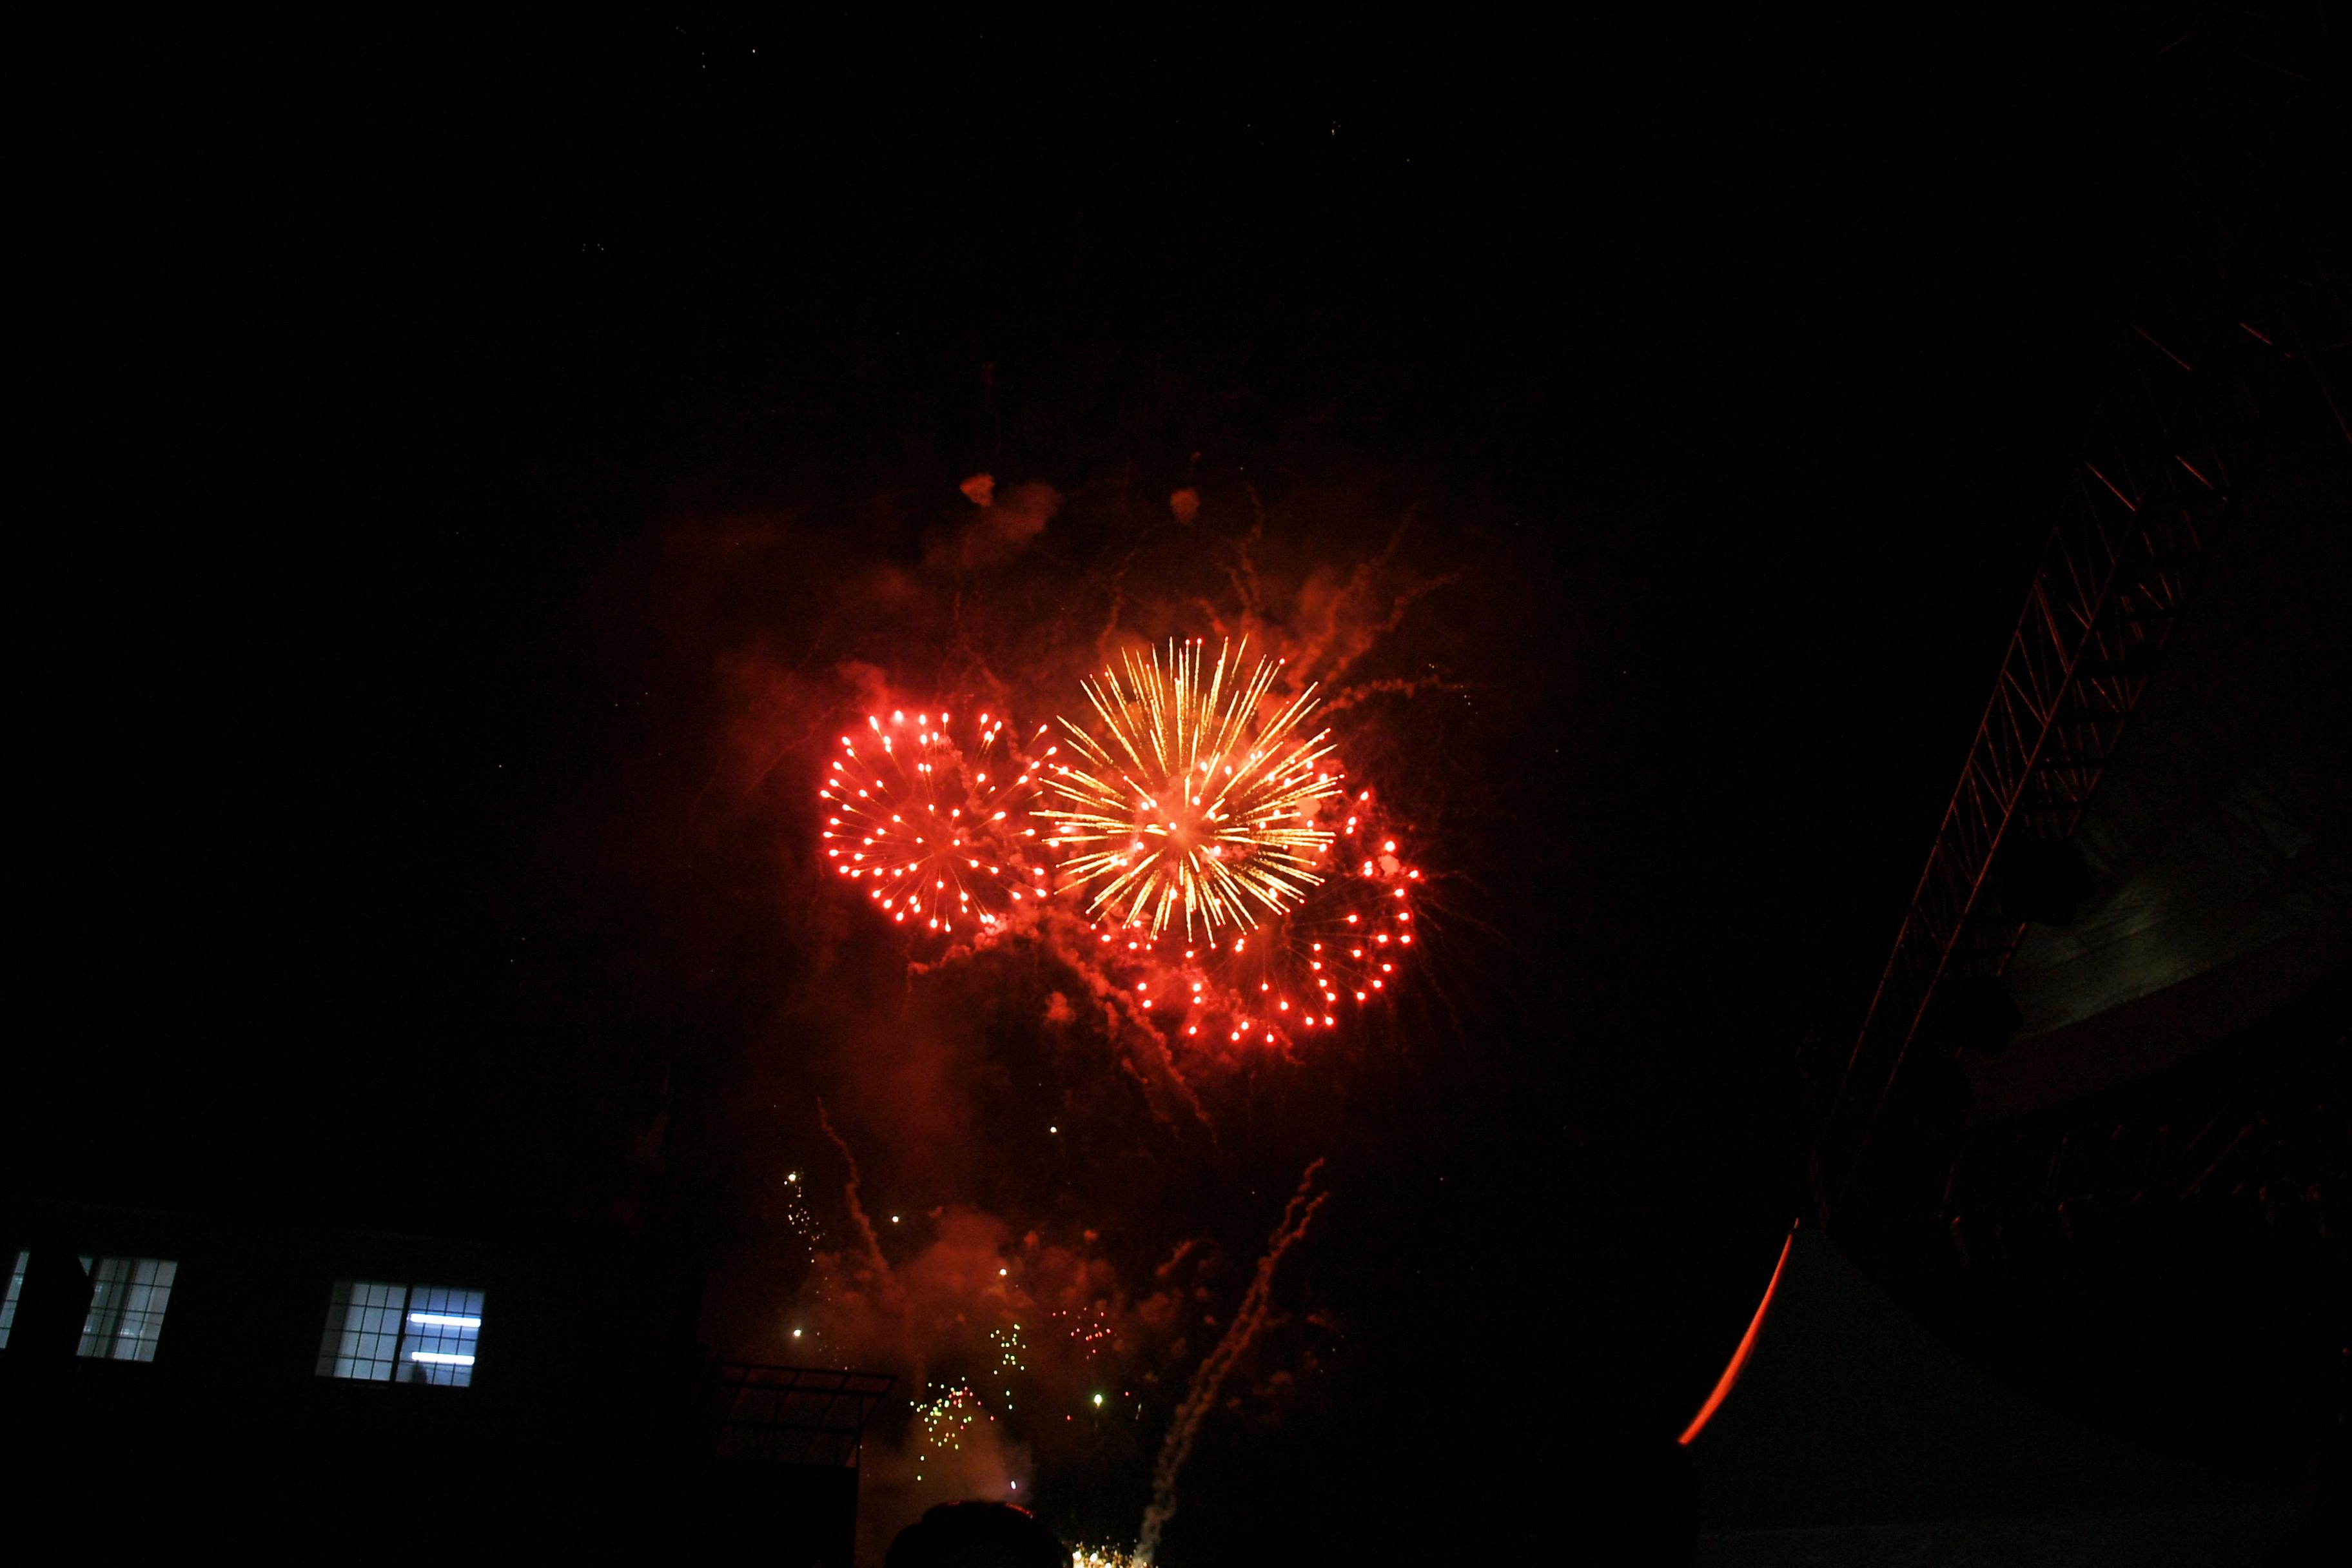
x=977, y=1535
x=55, y=1300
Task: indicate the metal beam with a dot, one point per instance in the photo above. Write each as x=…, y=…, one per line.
x=2239, y=308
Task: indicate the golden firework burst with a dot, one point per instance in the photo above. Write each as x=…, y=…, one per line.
x=1199, y=798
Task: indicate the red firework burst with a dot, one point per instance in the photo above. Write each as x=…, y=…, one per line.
x=1304, y=971
x=937, y=831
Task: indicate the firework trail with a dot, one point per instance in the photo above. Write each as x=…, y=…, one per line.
x=936, y=831
x=857, y=1209
x=1146, y=1053
x=1200, y=1395
x=1188, y=800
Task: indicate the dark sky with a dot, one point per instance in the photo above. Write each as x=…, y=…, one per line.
x=372, y=365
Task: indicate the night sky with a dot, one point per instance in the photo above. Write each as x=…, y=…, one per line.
x=429, y=429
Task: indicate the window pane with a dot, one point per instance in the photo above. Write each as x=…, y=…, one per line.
x=362, y=1334
x=381, y=1332
x=437, y=1342
x=15, y=1289
x=128, y=1297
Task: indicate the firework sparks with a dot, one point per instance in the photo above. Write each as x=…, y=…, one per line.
x=936, y=831
x=800, y=1218
x=1293, y=975
x=1086, y=1328
x=1341, y=950
x=944, y=1423
x=1189, y=801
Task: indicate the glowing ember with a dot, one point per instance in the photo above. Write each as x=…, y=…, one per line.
x=938, y=833
x=1190, y=800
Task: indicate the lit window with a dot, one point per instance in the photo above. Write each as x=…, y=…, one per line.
x=15, y=1289
x=127, y=1299
x=362, y=1338
x=382, y=1332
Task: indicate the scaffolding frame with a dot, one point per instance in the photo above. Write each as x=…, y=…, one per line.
x=2240, y=302
x=791, y=1414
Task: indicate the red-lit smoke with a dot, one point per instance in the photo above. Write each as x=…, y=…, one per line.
x=1018, y=1077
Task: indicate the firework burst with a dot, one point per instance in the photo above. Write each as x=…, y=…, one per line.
x=1200, y=799
x=1339, y=952
x=1293, y=975
x=945, y=1422
x=937, y=832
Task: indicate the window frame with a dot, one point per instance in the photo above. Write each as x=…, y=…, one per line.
x=19, y=1265
x=137, y=1300
x=393, y=1332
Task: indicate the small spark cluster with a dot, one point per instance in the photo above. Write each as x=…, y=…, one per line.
x=1102, y=1557
x=1198, y=802
x=944, y=1421
x=936, y=831
x=1085, y=1328
x=800, y=1217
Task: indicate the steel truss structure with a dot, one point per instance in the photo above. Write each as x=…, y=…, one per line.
x=2246, y=306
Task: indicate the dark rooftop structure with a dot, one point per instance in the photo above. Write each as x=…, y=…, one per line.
x=173, y=1374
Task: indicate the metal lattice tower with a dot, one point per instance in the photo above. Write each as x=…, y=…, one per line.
x=2241, y=304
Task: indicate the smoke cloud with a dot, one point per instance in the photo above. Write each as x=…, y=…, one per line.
x=1000, y=532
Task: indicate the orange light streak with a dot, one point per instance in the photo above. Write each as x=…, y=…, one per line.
x=1740, y=1357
